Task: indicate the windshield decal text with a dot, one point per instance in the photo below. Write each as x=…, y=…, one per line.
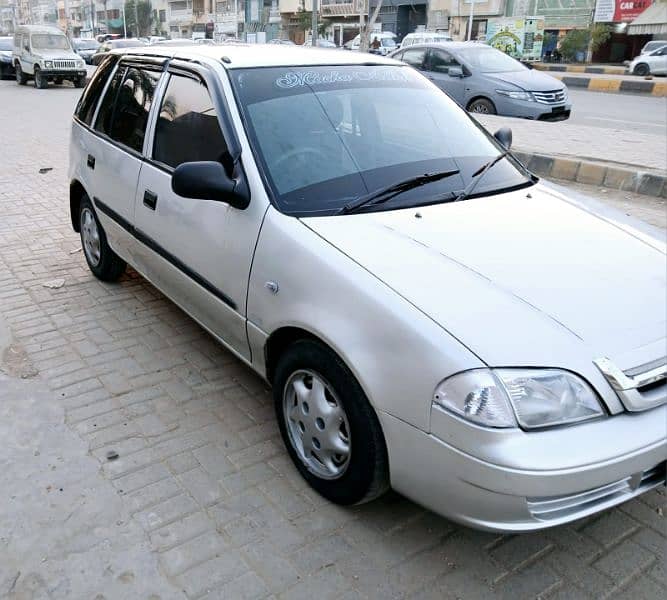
x=293, y=79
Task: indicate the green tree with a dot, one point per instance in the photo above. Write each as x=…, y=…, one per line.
x=138, y=17
x=581, y=40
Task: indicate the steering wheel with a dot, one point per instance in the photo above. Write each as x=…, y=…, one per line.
x=305, y=152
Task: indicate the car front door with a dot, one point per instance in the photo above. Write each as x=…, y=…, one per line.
x=198, y=251
x=113, y=154
x=436, y=68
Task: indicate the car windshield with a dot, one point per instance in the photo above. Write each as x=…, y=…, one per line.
x=127, y=43
x=325, y=136
x=489, y=60
x=6, y=44
x=388, y=42
x=49, y=41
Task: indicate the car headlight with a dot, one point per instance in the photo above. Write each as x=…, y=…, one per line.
x=80, y=64
x=516, y=95
x=48, y=64
x=531, y=398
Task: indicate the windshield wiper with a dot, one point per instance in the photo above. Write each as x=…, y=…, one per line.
x=385, y=194
x=479, y=174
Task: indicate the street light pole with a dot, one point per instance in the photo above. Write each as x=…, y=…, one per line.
x=124, y=26
x=314, y=23
x=472, y=4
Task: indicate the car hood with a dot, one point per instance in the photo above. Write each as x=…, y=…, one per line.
x=519, y=278
x=531, y=80
x=55, y=54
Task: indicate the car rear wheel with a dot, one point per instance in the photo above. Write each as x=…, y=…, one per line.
x=104, y=263
x=482, y=106
x=21, y=77
x=642, y=69
x=331, y=432
x=41, y=82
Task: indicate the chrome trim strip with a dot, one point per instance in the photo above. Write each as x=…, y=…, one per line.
x=621, y=381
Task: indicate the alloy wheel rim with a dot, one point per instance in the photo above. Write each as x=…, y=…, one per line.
x=480, y=108
x=90, y=236
x=317, y=424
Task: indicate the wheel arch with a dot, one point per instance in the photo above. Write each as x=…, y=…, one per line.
x=280, y=340
x=76, y=193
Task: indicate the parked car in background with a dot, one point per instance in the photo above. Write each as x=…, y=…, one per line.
x=430, y=316
x=177, y=42
x=86, y=48
x=321, y=43
x=485, y=80
x=653, y=63
x=6, y=66
x=110, y=45
x=424, y=37
x=652, y=46
x=205, y=41
x=43, y=53
x=283, y=42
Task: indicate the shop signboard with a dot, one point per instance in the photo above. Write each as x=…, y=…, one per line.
x=518, y=37
x=619, y=11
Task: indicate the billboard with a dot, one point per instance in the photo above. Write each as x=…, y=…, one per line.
x=619, y=11
x=518, y=37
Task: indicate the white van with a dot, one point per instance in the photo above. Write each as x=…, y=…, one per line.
x=424, y=37
x=44, y=54
x=386, y=39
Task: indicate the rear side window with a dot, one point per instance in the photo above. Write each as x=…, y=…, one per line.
x=85, y=110
x=105, y=113
x=133, y=103
x=187, y=128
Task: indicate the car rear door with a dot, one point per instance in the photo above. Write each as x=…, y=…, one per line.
x=198, y=251
x=113, y=153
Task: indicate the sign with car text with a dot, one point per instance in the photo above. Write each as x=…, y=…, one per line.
x=619, y=11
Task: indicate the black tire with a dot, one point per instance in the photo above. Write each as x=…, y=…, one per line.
x=41, y=82
x=110, y=266
x=21, y=77
x=367, y=475
x=79, y=82
x=58, y=81
x=642, y=69
x=482, y=106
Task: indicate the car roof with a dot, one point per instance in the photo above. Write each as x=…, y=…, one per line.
x=240, y=56
x=39, y=29
x=453, y=45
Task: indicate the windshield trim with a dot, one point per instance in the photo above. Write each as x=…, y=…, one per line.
x=266, y=180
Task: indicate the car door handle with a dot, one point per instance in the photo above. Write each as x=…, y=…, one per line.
x=91, y=161
x=150, y=199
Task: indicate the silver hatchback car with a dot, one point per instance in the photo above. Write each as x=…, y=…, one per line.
x=430, y=316
x=485, y=80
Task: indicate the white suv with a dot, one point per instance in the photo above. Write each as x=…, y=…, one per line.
x=44, y=54
x=429, y=316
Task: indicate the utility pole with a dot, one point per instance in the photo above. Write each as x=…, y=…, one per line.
x=124, y=25
x=314, y=23
x=472, y=4
x=362, y=10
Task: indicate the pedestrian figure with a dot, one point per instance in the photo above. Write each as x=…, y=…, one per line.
x=376, y=44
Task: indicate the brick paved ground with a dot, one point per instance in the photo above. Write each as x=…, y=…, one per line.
x=202, y=501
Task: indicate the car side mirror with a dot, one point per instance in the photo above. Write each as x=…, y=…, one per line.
x=207, y=180
x=504, y=136
x=455, y=72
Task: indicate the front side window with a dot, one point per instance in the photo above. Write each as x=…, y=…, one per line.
x=440, y=61
x=49, y=41
x=327, y=135
x=85, y=110
x=133, y=103
x=187, y=128
x=414, y=57
x=6, y=44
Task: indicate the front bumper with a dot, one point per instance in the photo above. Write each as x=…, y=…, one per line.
x=524, y=109
x=537, y=479
x=64, y=73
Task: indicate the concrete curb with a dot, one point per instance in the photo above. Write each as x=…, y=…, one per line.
x=638, y=86
x=604, y=175
x=581, y=69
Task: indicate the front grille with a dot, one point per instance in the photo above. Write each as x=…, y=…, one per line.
x=639, y=388
x=64, y=64
x=552, y=97
x=558, y=507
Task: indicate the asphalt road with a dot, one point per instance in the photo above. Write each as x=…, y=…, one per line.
x=629, y=112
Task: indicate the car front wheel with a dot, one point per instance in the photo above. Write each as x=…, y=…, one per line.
x=642, y=69
x=104, y=263
x=330, y=429
x=41, y=82
x=482, y=106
